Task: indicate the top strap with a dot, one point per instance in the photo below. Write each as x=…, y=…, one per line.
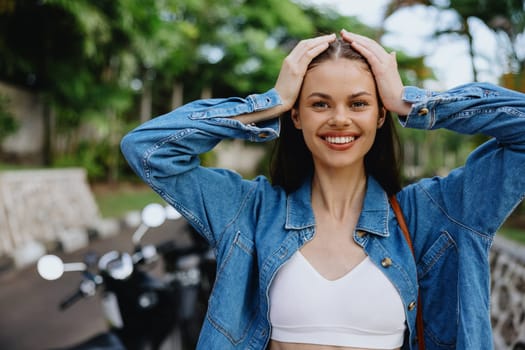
x=403, y=225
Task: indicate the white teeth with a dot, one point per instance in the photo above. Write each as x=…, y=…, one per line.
x=339, y=139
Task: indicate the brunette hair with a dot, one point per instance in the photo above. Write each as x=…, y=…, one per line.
x=292, y=161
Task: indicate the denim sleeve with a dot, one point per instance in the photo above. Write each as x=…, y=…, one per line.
x=165, y=151
x=482, y=193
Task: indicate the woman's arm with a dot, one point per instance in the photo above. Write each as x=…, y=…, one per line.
x=484, y=192
x=474, y=108
x=291, y=77
x=165, y=151
x=384, y=67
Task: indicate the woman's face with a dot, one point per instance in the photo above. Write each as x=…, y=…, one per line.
x=338, y=113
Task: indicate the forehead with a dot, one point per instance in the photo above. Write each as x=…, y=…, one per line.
x=340, y=74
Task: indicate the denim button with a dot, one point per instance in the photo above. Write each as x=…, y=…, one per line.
x=361, y=234
x=423, y=111
x=411, y=306
x=386, y=262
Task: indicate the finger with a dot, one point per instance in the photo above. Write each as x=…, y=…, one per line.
x=307, y=45
x=307, y=49
x=364, y=42
x=316, y=49
x=350, y=36
x=294, y=67
x=370, y=56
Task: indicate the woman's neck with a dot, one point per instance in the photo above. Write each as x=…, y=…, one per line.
x=338, y=193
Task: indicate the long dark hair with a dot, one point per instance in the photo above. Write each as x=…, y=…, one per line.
x=292, y=161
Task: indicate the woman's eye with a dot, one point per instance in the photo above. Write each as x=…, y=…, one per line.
x=359, y=104
x=320, y=104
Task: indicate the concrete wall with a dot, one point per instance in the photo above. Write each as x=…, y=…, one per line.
x=508, y=294
x=43, y=208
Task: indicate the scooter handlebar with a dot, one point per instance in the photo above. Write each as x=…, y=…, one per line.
x=170, y=247
x=67, y=302
x=87, y=287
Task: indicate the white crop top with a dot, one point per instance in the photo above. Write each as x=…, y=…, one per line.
x=360, y=309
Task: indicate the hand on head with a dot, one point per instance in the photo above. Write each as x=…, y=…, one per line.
x=383, y=64
x=295, y=65
x=384, y=67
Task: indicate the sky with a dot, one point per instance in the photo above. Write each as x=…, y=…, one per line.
x=409, y=30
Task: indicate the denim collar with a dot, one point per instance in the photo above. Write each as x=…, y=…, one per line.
x=374, y=216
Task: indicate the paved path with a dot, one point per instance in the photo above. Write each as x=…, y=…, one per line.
x=29, y=315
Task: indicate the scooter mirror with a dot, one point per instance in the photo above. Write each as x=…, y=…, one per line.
x=50, y=267
x=172, y=213
x=153, y=215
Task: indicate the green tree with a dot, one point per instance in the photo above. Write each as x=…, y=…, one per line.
x=81, y=57
x=56, y=49
x=103, y=63
x=8, y=124
x=506, y=18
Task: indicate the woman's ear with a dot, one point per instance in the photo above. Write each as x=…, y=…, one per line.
x=382, y=117
x=295, y=118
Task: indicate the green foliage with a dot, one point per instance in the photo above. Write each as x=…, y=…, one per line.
x=326, y=20
x=505, y=17
x=95, y=62
x=8, y=124
x=413, y=70
x=509, y=12
x=89, y=155
x=514, y=234
x=438, y=151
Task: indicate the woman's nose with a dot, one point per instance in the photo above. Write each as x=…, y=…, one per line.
x=340, y=118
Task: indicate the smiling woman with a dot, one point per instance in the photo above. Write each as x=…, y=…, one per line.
x=337, y=113
x=343, y=92
x=314, y=258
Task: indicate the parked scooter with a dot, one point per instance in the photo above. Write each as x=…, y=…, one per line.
x=143, y=311
x=191, y=272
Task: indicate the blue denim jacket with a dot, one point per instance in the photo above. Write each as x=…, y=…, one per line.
x=255, y=227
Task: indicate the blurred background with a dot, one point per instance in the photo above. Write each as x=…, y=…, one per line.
x=88, y=71
x=76, y=75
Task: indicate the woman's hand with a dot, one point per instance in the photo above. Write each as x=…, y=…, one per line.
x=384, y=67
x=294, y=67
x=291, y=77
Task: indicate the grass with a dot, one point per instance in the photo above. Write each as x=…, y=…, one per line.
x=115, y=201
x=514, y=234
x=6, y=166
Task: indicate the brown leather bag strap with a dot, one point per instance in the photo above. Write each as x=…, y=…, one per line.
x=402, y=224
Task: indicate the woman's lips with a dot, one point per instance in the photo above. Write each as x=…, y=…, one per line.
x=340, y=142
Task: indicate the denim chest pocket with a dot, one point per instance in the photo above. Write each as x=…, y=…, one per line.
x=233, y=305
x=438, y=280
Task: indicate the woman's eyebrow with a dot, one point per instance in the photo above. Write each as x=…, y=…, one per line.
x=354, y=95
x=359, y=94
x=318, y=94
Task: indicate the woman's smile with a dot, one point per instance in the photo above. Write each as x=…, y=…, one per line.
x=340, y=142
x=338, y=111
